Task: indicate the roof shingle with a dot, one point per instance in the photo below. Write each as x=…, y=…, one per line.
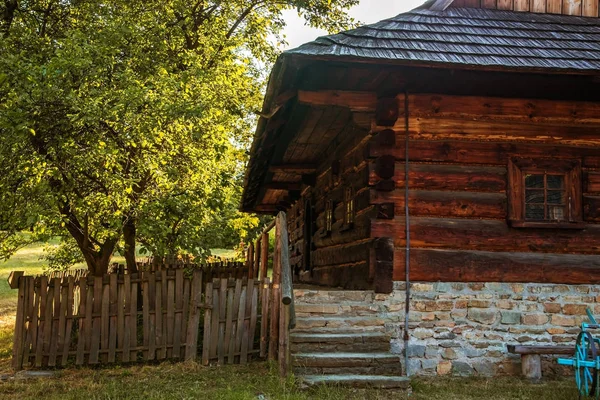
x=471, y=36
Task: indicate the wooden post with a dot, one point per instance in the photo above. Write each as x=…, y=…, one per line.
x=284, y=338
x=264, y=256
x=531, y=366
x=250, y=260
x=276, y=296
x=256, y=258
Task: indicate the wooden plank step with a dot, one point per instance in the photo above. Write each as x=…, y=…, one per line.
x=360, y=381
x=339, y=324
x=382, y=369
x=339, y=342
x=328, y=360
x=350, y=337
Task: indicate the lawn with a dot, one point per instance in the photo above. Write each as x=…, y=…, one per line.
x=256, y=381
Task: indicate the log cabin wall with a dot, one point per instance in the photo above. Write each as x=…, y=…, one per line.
x=586, y=8
x=459, y=151
x=340, y=255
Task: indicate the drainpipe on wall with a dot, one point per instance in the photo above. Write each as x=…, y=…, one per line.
x=407, y=223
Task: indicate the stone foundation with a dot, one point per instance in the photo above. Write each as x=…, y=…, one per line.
x=463, y=328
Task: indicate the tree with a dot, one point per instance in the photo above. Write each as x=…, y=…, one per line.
x=126, y=119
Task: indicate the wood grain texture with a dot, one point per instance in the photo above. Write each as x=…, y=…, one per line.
x=554, y=6
x=571, y=7
x=505, y=4
x=521, y=5
x=538, y=6
x=483, y=266
x=590, y=8
x=488, y=235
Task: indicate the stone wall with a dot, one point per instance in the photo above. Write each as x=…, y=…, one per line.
x=463, y=328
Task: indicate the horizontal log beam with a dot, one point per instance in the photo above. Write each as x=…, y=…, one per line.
x=289, y=186
x=488, y=235
x=481, y=266
x=486, y=152
x=298, y=169
x=504, y=109
x=356, y=101
x=446, y=204
x=445, y=177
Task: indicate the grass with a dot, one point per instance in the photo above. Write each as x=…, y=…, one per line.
x=189, y=380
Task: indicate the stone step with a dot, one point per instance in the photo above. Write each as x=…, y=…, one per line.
x=384, y=369
x=345, y=360
x=333, y=296
x=339, y=342
x=352, y=309
x=338, y=324
x=359, y=381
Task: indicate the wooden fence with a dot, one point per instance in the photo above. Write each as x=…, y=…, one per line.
x=166, y=314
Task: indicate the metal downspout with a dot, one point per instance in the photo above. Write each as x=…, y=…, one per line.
x=407, y=223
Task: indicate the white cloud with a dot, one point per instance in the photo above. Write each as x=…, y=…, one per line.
x=367, y=12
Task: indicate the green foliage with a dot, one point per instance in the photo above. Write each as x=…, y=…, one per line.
x=128, y=120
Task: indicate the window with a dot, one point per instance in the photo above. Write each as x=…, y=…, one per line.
x=329, y=216
x=545, y=193
x=349, y=207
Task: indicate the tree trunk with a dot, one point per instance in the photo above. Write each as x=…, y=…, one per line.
x=129, y=233
x=97, y=255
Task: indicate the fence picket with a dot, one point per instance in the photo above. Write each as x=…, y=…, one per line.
x=81, y=310
x=264, y=318
x=122, y=317
x=55, y=322
x=112, y=312
x=207, y=325
x=222, y=320
x=214, y=324
x=253, y=314
x=96, y=320
x=151, y=295
x=104, y=339
x=178, y=312
x=191, y=339
x=184, y=316
x=134, y=323
x=128, y=318
x=229, y=336
x=17, y=344
x=69, y=320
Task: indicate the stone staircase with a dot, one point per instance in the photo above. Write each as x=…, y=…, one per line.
x=340, y=338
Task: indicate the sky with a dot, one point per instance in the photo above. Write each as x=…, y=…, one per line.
x=367, y=12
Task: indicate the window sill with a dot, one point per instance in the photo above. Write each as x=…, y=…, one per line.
x=547, y=225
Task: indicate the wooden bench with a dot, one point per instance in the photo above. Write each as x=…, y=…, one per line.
x=531, y=362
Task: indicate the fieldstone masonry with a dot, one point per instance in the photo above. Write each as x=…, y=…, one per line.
x=463, y=328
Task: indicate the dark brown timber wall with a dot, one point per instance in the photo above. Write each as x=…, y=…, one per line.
x=339, y=257
x=459, y=151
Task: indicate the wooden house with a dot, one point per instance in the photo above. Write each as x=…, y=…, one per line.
x=455, y=143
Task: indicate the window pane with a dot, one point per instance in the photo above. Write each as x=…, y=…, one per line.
x=556, y=197
x=535, y=212
x=534, y=181
x=556, y=213
x=556, y=181
x=534, y=196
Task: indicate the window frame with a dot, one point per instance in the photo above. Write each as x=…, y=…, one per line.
x=570, y=169
x=329, y=211
x=349, y=207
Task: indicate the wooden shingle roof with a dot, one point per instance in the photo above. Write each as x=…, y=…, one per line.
x=471, y=37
